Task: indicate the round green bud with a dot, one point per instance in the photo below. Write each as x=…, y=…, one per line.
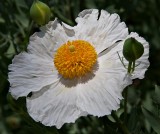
x=132, y=49
x=40, y=12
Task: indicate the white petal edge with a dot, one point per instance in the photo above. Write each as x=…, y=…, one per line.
x=102, y=94
x=27, y=69
x=49, y=39
x=55, y=106
x=102, y=32
x=29, y=73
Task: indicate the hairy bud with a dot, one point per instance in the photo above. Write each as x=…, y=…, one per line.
x=132, y=49
x=40, y=12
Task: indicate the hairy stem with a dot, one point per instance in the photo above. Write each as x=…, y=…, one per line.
x=125, y=103
x=130, y=67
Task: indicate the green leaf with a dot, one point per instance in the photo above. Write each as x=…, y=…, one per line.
x=22, y=18
x=18, y=105
x=3, y=82
x=132, y=120
x=3, y=47
x=2, y=20
x=21, y=3
x=152, y=119
x=156, y=96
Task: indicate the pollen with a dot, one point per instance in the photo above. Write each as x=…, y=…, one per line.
x=75, y=59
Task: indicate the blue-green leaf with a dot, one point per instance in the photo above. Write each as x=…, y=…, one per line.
x=156, y=96
x=152, y=119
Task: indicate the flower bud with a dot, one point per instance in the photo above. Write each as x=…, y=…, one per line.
x=132, y=49
x=40, y=12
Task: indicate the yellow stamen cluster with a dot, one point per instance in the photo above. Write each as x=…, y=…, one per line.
x=75, y=59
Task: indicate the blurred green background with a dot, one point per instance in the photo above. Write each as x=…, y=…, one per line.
x=141, y=16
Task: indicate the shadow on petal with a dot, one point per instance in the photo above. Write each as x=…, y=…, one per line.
x=82, y=80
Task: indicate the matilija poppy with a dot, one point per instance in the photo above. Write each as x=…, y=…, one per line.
x=75, y=71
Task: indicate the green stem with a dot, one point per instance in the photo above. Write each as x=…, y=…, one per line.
x=69, y=8
x=133, y=66
x=30, y=26
x=120, y=124
x=125, y=103
x=130, y=67
x=14, y=45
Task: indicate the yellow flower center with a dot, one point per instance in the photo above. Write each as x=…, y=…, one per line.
x=75, y=59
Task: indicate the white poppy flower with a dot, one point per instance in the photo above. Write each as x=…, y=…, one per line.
x=75, y=71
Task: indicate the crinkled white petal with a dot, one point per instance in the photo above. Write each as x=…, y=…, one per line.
x=101, y=32
x=50, y=38
x=30, y=73
x=96, y=94
x=43, y=43
x=46, y=42
x=59, y=34
x=102, y=94
x=55, y=106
